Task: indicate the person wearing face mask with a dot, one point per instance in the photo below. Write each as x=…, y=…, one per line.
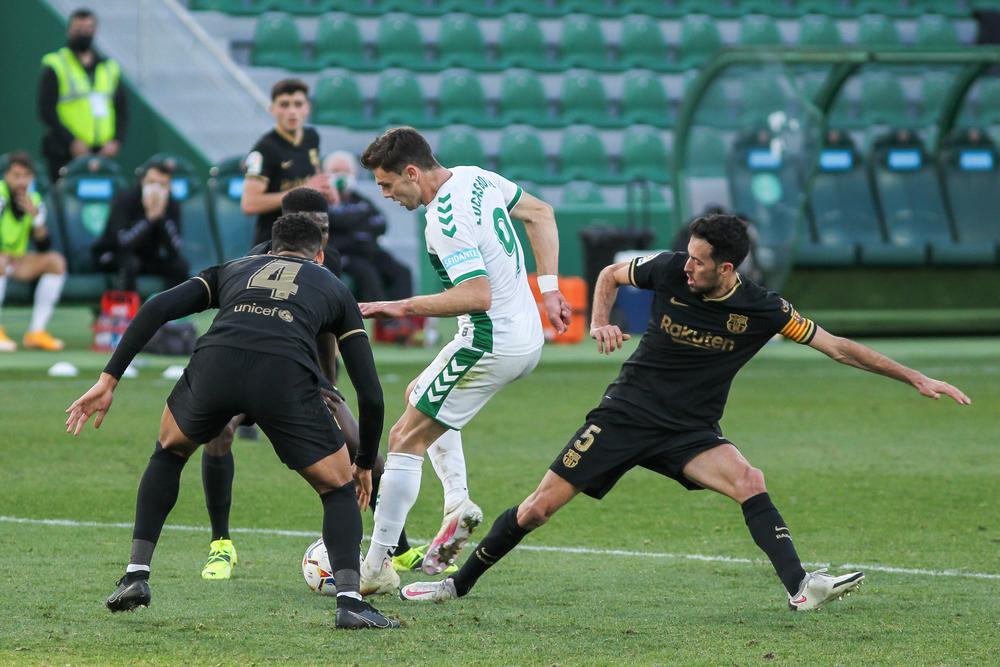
x=80, y=98
x=355, y=225
x=143, y=234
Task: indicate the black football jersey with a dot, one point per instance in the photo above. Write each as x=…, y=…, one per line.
x=283, y=165
x=679, y=376
x=277, y=305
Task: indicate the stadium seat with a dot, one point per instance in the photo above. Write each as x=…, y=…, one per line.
x=339, y=44
x=522, y=100
x=772, y=8
x=582, y=193
x=460, y=146
x=989, y=100
x=582, y=157
x=400, y=45
x=883, y=101
x=522, y=44
x=912, y=203
x=719, y=104
x=832, y=8
x=583, y=100
x=522, y=157
x=304, y=7
x=763, y=95
x=719, y=9
x=479, y=8
x=462, y=101
x=934, y=90
x=644, y=100
x=936, y=31
x=877, y=30
x=337, y=101
x=615, y=8
x=460, y=43
x=543, y=8
x=234, y=227
x=400, y=101
x=700, y=39
x=248, y=7
x=971, y=167
x=582, y=44
x=759, y=30
x=642, y=44
x=277, y=43
x=85, y=192
x=818, y=31
x=644, y=157
x=188, y=190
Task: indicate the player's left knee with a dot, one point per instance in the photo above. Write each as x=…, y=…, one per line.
x=56, y=263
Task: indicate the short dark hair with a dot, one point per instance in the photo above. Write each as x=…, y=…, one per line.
x=165, y=167
x=304, y=200
x=82, y=13
x=396, y=148
x=295, y=232
x=21, y=159
x=289, y=87
x=727, y=234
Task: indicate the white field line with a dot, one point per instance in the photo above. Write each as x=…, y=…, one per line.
x=868, y=567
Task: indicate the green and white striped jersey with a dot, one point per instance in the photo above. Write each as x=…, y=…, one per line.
x=469, y=233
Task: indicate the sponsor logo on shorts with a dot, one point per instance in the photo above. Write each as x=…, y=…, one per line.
x=266, y=311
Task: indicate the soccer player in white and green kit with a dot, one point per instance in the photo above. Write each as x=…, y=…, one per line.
x=472, y=244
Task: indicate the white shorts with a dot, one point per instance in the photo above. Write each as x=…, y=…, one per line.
x=461, y=380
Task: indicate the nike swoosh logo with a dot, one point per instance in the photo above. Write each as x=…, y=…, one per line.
x=369, y=621
x=674, y=301
x=286, y=165
x=416, y=594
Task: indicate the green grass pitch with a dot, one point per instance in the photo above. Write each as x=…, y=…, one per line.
x=864, y=470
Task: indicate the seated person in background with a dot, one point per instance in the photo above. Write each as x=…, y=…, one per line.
x=355, y=225
x=143, y=234
x=22, y=216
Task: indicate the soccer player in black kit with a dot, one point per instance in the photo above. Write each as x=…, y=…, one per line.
x=662, y=413
x=263, y=341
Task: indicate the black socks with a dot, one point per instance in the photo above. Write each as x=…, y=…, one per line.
x=217, y=479
x=771, y=535
x=504, y=535
x=342, y=536
x=157, y=495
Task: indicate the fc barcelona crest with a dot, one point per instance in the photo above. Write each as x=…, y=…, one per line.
x=737, y=323
x=570, y=459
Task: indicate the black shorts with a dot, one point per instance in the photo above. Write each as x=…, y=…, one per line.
x=610, y=443
x=279, y=394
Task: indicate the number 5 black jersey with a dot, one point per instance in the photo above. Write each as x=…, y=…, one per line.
x=277, y=305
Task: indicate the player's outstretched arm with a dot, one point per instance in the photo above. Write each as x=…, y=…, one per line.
x=97, y=401
x=360, y=365
x=540, y=224
x=852, y=353
x=470, y=296
x=608, y=336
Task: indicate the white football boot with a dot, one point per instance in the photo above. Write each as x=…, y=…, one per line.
x=429, y=591
x=386, y=581
x=818, y=588
x=451, y=539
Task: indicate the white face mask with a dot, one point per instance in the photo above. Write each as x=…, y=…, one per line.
x=342, y=181
x=149, y=189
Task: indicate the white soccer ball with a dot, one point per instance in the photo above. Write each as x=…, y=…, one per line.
x=316, y=569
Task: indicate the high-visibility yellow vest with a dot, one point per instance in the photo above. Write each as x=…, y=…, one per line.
x=14, y=231
x=88, y=111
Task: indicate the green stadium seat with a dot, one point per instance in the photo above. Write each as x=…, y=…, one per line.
x=277, y=43
x=305, y=7
x=883, y=101
x=462, y=100
x=480, y=8
x=730, y=9
x=460, y=146
x=773, y=8
x=934, y=90
x=582, y=193
x=337, y=101
x=644, y=157
x=234, y=227
x=759, y=30
x=818, y=31
x=644, y=100
x=237, y=7
x=700, y=39
x=84, y=193
x=400, y=101
x=522, y=100
x=400, y=45
x=522, y=44
x=957, y=10
x=583, y=44
x=877, y=31
x=832, y=8
x=339, y=44
x=460, y=43
x=706, y=154
x=763, y=94
x=719, y=104
x=549, y=8
x=935, y=31
x=614, y=8
x=989, y=100
x=522, y=157
x=583, y=100
x=971, y=168
x=642, y=44
x=582, y=157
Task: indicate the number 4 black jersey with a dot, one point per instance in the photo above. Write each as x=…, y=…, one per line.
x=679, y=376
x=277, y=305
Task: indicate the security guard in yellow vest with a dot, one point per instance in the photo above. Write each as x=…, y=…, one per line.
x=22, y=218
x=80, y=98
